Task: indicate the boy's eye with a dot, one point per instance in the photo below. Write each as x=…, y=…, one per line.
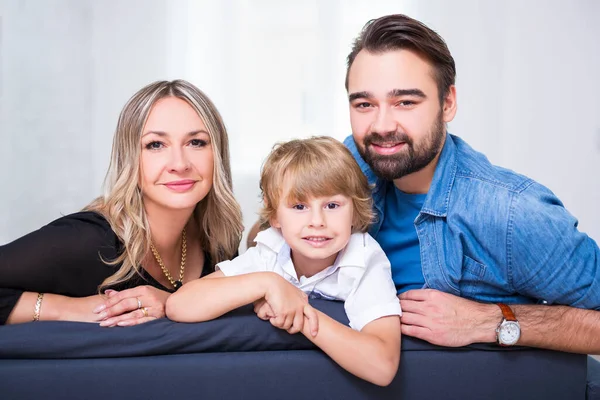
x=299, y=207
x=332, y=206
x=155, y=145
x=198, y=143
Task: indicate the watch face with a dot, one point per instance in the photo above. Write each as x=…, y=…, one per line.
x=509, y=333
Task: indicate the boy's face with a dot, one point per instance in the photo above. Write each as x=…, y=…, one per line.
x=316, y=230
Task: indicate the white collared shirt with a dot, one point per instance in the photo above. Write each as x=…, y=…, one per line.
x=360, y=276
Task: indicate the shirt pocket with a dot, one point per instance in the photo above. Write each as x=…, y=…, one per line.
x=471, y=278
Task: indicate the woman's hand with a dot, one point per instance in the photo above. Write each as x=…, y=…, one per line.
x=132, y=306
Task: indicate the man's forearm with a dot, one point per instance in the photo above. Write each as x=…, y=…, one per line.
x=559, y=328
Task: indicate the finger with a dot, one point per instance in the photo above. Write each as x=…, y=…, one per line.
x=412, y=306
x=123, y=317
x=256, y=307
x=124, y=306
x=414, y=319
x=418, y=332
x=137, y=321
x=277, y=321
x=298, y=323
x=133, y=293
x=258, y=304
x=313, y=320
x=265, y=312
x=415, y=294
x=288, y=322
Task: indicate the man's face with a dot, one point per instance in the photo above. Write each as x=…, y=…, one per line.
x=397, y=121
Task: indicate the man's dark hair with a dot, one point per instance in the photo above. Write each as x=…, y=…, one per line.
x=397, y=32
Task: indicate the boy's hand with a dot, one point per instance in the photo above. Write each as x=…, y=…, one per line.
x=311, y=318
x=264, y=312
x=287, y=304
x=263, y=309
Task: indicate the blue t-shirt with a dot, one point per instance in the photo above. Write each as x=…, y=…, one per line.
x=398, y=238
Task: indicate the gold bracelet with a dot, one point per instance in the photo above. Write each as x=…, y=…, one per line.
x=38, y=307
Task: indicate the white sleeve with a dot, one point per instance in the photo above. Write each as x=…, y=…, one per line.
x=374, y=295
x=255, y=259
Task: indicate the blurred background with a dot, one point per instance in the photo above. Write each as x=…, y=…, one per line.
x=528, y=86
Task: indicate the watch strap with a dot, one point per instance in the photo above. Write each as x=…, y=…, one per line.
x=507, y=312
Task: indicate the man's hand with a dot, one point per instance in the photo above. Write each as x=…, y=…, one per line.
x=447, y=320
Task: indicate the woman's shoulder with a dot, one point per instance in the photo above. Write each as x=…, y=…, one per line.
x=82, y=218
x=89, y=226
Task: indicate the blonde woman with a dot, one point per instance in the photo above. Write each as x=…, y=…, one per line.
x=166, y=217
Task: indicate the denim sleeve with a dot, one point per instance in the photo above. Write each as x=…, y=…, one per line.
x=548, y=257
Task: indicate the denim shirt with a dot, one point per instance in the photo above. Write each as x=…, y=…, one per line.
x=489, y=234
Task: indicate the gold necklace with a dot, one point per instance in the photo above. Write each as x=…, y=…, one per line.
x=176, y=284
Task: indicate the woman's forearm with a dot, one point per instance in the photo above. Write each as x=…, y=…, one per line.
x=54, y=307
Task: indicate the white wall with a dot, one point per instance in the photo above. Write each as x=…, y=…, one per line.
x=527, y=86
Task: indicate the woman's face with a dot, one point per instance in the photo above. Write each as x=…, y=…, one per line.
x=176, y=161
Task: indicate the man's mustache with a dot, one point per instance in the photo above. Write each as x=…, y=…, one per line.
x=387, y=139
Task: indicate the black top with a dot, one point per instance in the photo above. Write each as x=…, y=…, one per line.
x=65, y=257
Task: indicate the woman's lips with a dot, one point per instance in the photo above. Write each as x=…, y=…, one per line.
x=180, y=186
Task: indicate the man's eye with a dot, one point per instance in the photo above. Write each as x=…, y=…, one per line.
x=363, y=105
x=406, y=103
x=198, y=143
x=332, y=206
x=154, y=145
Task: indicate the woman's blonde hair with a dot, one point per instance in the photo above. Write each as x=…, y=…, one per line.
x=318, y=166
x=218, y=214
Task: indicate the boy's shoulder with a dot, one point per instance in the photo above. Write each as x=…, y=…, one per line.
x=362, y=250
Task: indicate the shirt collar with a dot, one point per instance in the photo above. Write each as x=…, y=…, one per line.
x=438, y=197
x=352, y=255
x=272, y=238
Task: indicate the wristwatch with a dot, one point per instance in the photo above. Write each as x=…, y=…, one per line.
x=508, y=331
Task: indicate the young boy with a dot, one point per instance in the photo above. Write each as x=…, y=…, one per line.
x=318, y=204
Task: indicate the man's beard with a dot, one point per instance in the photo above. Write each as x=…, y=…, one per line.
x=412, y=159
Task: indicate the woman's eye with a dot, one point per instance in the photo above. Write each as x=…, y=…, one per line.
x=198, y=143
x=154, y=145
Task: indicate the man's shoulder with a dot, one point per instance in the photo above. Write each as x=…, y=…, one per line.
x=474, y=167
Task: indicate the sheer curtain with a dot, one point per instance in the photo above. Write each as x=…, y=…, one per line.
x=275, y=70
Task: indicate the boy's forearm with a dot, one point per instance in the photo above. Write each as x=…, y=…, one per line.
x=360, y=353
x=209, y=298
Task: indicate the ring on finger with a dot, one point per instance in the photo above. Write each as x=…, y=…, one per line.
x=144, y=311
x=139, y=302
